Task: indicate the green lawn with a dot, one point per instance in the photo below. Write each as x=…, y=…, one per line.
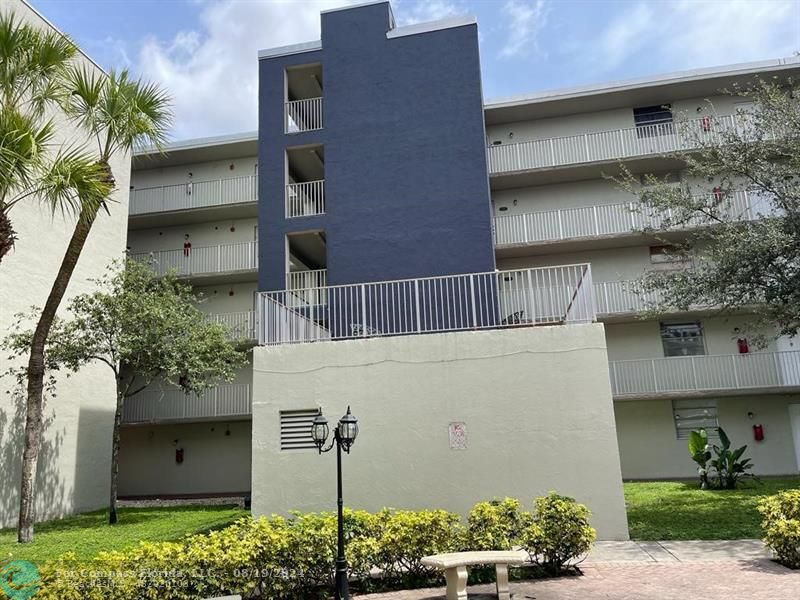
x=89, y=533
x=682, y=511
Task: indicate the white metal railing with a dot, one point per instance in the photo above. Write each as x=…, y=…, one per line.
x=302, y=115
x=606, y=145
x=195, y=194
x=308, y=287
x=305, y=199
x=171, y=404
x=202, y=260
x=626, y=296
x=609, y=219
x=540, y=296
x=240, y=324
x=650, y=376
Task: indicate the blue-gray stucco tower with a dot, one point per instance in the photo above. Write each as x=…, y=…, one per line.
x=401, y=150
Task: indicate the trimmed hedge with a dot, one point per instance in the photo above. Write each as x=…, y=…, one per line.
x=781, y=524
x=279, y=558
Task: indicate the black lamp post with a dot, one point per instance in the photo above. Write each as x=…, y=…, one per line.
x=344, y=436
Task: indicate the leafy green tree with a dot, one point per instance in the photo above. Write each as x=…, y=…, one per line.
x=742, y=222
x=142, y=327
x=119, y=113
x=33, y=78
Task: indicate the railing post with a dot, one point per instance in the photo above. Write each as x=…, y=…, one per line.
x=586, y=146
x=694, y=374
x=736, y=382
x=472, y=300
x=655, y=377
x=363, y=310
x=614, y=379
x=416, y=304
x=596, y=220
x=560, y=225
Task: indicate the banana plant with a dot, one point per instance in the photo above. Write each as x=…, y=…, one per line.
x=728, y=464
x=700, y=453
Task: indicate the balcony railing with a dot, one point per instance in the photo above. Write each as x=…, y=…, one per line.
x=203, y=260
x=308, y=287
x=624, y=297
x=609, y=145
x=542, y=296
x=302, y=115
x=607, y=219
x=305, y=199
x=171, y=404
x=196, y=194
x=240, y=324
x=674, y=375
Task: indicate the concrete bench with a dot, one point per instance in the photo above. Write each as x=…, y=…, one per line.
x=455, y=566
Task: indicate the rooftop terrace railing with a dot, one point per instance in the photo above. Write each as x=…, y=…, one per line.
x=191, y=195
x=514, y=298
x=613, y=144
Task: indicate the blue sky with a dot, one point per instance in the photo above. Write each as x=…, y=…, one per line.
x=204, y=51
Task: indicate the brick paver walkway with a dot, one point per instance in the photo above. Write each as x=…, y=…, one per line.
x=652, y=571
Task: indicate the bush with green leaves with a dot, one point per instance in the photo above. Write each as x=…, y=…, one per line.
x=496, y=524
x=781, y=523
x=728, y=465
x=559, y=533
x=280, y=558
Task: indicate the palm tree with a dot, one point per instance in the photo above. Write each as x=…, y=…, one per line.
x=119, y=114
x=33, y=68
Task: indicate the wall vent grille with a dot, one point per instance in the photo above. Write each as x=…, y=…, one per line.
x=296, y=429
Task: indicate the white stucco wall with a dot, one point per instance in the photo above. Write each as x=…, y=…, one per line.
x=73, y=471
x=210, y=233
x=536, y=403
x=200, y=171
x=216, y=459
x=650, y=449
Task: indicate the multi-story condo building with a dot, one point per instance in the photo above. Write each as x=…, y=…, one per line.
x=463, y=274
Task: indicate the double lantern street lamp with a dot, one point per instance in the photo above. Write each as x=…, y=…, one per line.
x=344, y=436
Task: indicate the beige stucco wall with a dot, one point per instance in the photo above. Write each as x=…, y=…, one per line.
x=201, y=171
x=589, y=122
x=216, y=459
x=649, y=447
x=536, y=403
x=226, y=298
x=73, y=468
x=209, y=233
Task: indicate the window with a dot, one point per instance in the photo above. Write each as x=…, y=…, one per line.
x=296, y=429
x=690, y=415
x=682, y=339
x=651, y=121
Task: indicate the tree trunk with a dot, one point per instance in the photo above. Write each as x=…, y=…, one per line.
x=7, y=234
x=33, y=417
x=112, y=510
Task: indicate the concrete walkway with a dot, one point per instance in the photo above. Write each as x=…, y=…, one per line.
x=711, y=570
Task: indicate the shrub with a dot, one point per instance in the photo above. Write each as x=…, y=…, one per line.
x=495, y=525
x=284, y=559
x=781, y=524
x=407, y=536
x=729, y=464
x=558, y=534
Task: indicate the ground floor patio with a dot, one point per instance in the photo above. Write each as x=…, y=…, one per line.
x=712, y=570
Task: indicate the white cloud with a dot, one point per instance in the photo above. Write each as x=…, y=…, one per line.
x=525, y=19
x=212, y=71
x=690, y=33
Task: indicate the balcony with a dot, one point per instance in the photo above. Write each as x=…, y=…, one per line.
x=515, y=298
x=586, y=222
x=203, y=260
x=725, y=373
x=193, y=195
x=305, y=199
x=239, y=324
x=604, y=146
x=624, y=297
x=302, y=115
x=225, y=401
